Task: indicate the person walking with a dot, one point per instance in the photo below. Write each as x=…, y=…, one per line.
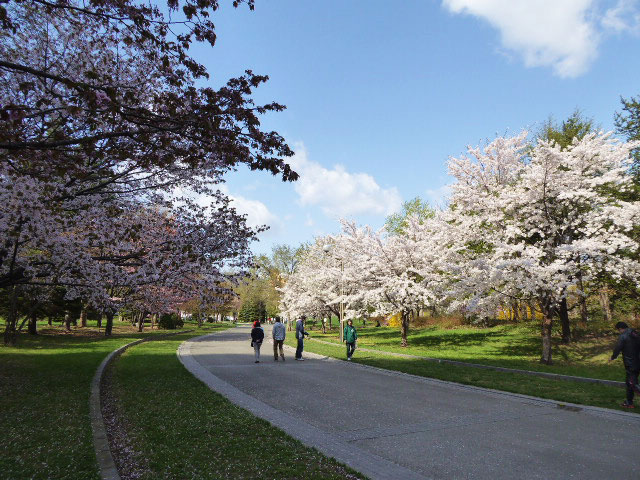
x=300, y=333
x=257, y=336
x=629, y=344
x=350, y=337
x=278, y=333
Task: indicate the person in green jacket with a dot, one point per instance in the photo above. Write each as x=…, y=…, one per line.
x=350, y=337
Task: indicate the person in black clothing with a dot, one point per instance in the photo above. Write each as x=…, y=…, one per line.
x=257, y=336
x=629, y=345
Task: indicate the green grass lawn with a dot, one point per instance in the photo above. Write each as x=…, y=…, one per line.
x=184, y=430
x=44, y=389
x=508, y=346
x=511, y=346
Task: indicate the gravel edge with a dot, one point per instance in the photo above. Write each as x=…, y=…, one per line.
x=106, y=463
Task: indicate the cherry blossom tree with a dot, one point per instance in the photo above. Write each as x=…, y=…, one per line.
x=101, y=119
x=313, y=286
x=534, y=221
x=393, y=273
x=107, y=88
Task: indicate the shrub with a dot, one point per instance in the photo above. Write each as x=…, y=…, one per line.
x=170, y=321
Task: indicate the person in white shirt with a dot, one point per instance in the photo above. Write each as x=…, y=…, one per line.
x=279, y=333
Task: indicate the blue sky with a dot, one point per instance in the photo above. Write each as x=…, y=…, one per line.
x=379, y=94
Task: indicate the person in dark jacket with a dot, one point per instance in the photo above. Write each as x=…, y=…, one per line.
x=629, y=344
x=300, y=333
x=257, y=336
x=350, y=337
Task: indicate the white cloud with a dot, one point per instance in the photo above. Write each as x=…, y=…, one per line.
x=623, y=17
x=309, y=221
x=560, y=34
x=439, y=197
x=339, y=192
x=257, y=212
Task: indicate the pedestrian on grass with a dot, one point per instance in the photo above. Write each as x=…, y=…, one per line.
x=257, y=336
x=300, y=333
x=278, y=333
x=350, y=337
x=629, y=345
x=324, y=325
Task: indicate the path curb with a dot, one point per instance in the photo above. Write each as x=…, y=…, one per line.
x=553, y=376
x=108, y=470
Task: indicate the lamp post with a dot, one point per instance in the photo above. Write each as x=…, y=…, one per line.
x=327, y=249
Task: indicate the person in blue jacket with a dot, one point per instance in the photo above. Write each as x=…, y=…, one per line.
x=350, y=337
x=300, y=333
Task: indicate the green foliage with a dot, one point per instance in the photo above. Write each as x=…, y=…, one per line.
x=576, y=126
x=170, y=321
x=397, y=222
x=252, y=310
x=285, y=258
x=269, y=274
x=628, y=124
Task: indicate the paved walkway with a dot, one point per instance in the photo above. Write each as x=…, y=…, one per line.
x=395, y=426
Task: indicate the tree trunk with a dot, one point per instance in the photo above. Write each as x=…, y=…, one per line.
x=524, y=312
x=33, y=324
x=605, y=304
x=109, y=326
x=10, y=334
x=547, y=323
x=67, y=321
x=83, y=316
x=141, y=322
x=582, y=299
x=49, y=321
x=516, y=311
x=564, y=320
x=404, y=327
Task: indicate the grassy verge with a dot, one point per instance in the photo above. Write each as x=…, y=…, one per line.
x=511, y=346
x=44, y=386
x=185, y=430
x=562, y=391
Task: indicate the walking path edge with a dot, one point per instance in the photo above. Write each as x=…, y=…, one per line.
x=554, y=376
x=106, y=464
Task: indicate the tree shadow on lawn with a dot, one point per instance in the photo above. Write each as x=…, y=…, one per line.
x=426, y=339
x=55, y=338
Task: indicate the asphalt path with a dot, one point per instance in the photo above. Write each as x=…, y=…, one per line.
x=390, y=425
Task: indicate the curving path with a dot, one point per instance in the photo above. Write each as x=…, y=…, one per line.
x=390, y=425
